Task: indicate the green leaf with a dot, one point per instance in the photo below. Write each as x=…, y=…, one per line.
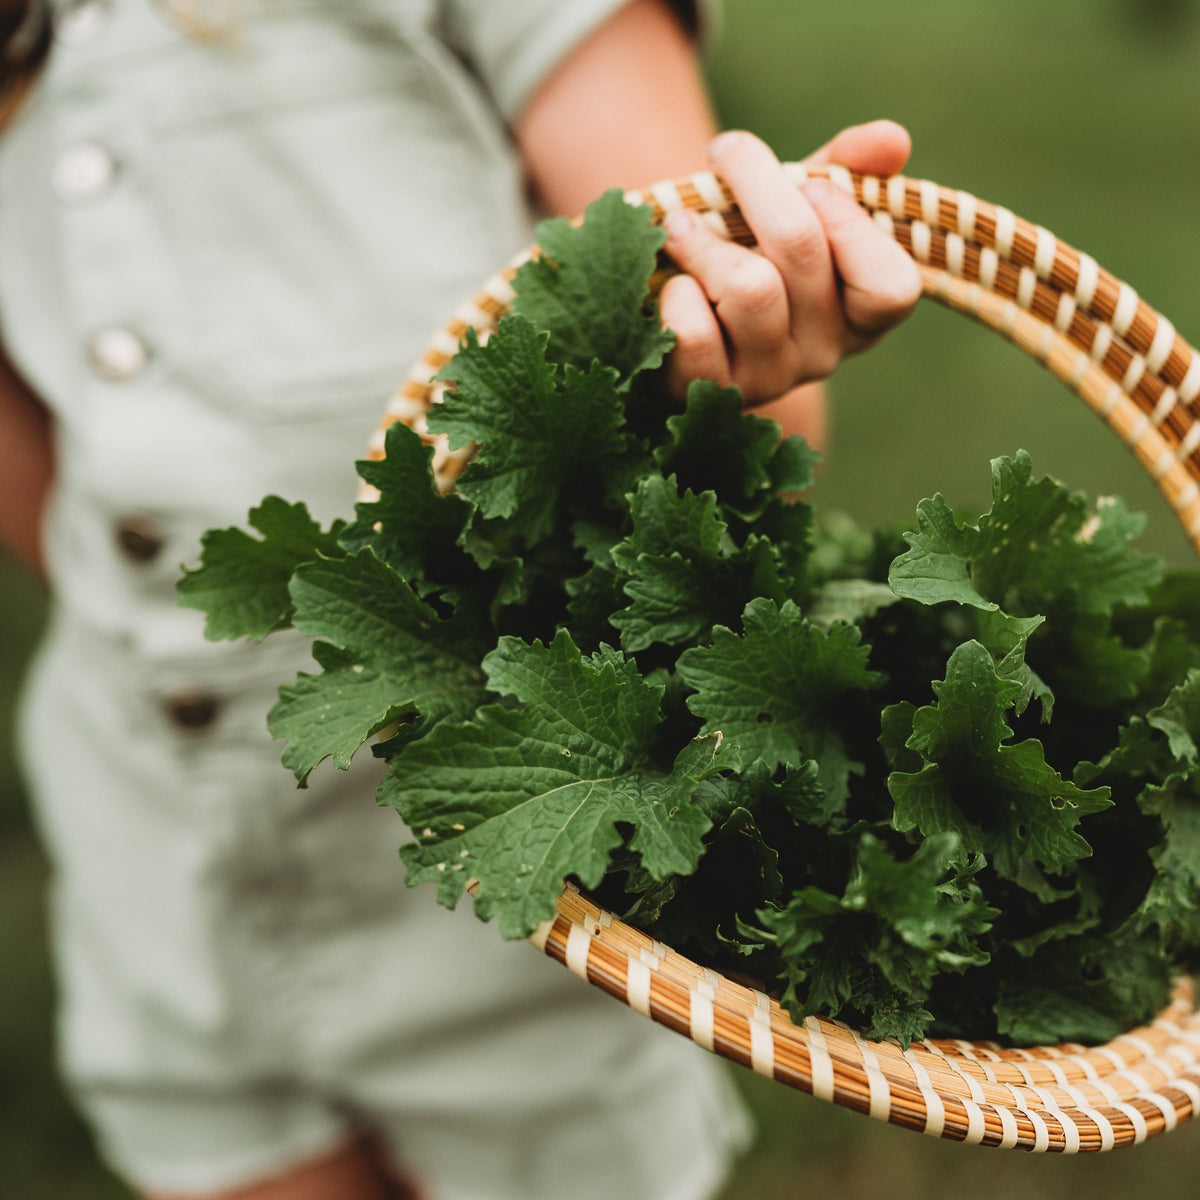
x=397, y=658
x=521, y=798
x=666, y=520
x=588, y=288
x=1036, y=544
x=1087, y=990
x=772, y=688
x=541, y=436
x=1002, y=799
x=879, y=945
x=849, y=601
x=411, y=526
x=242, y=582
x=717, y=447
x=1179, y=718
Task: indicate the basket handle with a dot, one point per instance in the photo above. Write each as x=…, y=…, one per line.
x=1127, y=363
x=1091, y=330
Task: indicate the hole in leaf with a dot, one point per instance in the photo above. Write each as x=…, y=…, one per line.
x=765, y=718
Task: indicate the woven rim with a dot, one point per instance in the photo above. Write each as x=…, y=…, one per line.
x=1127, y=363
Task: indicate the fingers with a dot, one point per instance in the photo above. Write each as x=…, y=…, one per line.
x=824, y=281
x=880, y=283
x=700, y=351
x=788, y=231
x=876, y=148
x=746, y=334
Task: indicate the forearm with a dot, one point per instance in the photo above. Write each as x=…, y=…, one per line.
x=628, y=108
x=26, y=467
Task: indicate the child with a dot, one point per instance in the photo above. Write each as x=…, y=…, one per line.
x=226, y=230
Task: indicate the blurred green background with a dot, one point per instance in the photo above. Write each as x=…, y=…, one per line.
x=1081, y=115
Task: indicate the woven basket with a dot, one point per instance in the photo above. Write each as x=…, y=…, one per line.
x=1129, y=365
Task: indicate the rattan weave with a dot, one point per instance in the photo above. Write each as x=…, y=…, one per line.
x=1127, y=362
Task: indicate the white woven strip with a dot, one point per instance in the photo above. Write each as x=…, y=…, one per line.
x=1112, y=398
x=716, y=222
x=666, y=196
x=1126, y=309
x=1107, y=1092
x=1133, y=374
x=895, y=196
x=1162, y=464
x=637, y=989
x=1102, y=343
x=989, y=260
x=1170, y=1114
x=499, y=287
x=935, y=1109
x=870, y=190
x=1056, y=1072
x=1108, y=1135
x=1140, y=1084
x=1041, y=1132
x=1070, y=1132
x=711, y=192
x=922, y=240
x=1190, y=1090
x=976, y=1123
x=968, y=210
x=930, y=195
x=821, y=1064
x=881, y=1094
x=1026, y=286
x=1189, y=387
x=579, y=942
x=762, y=1046
x=883, y=219
x=955, y=254
x=1186, y=497
x=1166, y=402
x=841, y=179
x=1144, y=1048
x=444, y=343
x=1161, y=345
x=1190, y=441
x=1138, y=1120
x=1089, y=277
x=423, y=372
x=541, y=935
x=1066, y=312
x=1082, y=364
x=1010, y=1134
x=703, y=1021
x=1046, y=252
x=1006, y=230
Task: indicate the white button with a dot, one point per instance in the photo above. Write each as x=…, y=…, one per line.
x=117, y=353
x=80, y=21
x=83, y=172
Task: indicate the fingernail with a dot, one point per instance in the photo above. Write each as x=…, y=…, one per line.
x=679, y=224
x=724, y=141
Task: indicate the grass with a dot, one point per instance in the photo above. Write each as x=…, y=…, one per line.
x=1080, y=115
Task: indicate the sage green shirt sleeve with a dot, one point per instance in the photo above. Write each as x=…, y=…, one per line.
x=513, y=45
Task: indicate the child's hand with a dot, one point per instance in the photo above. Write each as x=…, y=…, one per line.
x=826, y=280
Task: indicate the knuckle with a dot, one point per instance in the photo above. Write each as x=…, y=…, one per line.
x=752, y=284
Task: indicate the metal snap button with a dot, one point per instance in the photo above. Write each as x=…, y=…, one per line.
x=192, y=710
x=79, y=22
x=117, y=353
x=139, y=538
x=82, y=172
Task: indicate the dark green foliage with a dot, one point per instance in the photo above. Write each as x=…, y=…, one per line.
x=947, y=782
